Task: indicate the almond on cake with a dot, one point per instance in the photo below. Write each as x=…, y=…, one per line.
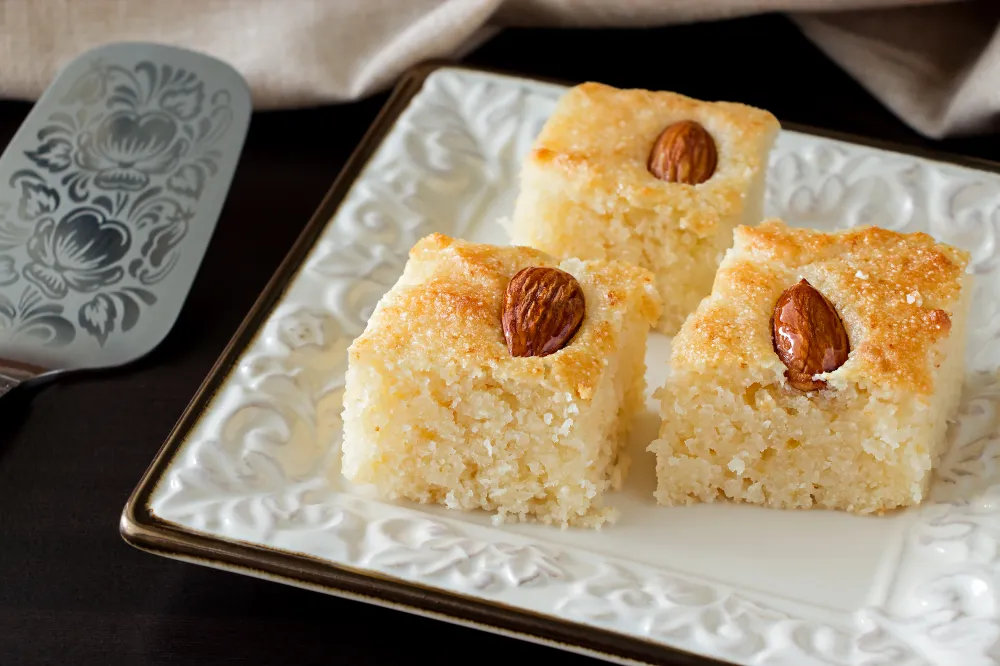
x=500, y=378
x=821, y=372
x=654, y=178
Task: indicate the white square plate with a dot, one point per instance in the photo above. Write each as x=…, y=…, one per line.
x=250, y=478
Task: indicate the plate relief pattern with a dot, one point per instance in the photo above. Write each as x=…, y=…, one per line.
x=262, y=466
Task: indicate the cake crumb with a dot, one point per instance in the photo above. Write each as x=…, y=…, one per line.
x=581, y=194
x=448, y=417
x=732, y=429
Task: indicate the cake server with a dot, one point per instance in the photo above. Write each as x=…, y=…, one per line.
x=109, y=194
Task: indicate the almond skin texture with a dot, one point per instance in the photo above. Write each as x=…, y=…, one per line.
x=808, y=336
x=684, y=153
x=542, y=311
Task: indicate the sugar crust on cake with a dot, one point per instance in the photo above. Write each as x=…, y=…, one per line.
x=599, y=138
x=872, y=274
x=449, y=299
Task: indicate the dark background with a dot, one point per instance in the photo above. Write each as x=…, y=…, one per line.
x=72, y=592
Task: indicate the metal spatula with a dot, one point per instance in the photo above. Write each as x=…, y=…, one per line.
x=109, y=194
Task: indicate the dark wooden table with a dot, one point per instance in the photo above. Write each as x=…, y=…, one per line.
x=73, y=593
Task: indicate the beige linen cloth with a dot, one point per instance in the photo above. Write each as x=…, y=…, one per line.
x=935, y=63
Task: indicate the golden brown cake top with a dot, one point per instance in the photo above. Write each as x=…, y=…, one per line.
x=896, y=294
x=600, y=138
x=445, y=313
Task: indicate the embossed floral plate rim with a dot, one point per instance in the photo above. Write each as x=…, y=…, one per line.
x=141, y=528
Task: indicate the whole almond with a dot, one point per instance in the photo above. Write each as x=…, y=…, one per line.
x=684, y=153
x=808, y=336
x=542, y=310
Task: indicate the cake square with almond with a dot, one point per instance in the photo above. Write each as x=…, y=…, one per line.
x=821, y=372
x=654, y=178
x=499, y=378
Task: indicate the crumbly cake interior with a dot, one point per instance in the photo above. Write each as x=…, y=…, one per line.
x=447, y=416
x=854, y=451
x=733, y=428
x=683, y=261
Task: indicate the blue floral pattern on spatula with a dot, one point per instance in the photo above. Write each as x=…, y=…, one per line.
x=109, y=200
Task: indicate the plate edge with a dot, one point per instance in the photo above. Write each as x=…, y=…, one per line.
x=373, y=588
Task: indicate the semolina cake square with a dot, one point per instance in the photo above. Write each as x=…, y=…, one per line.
x=438, y=409
x=595, y=185
x=821, y=372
